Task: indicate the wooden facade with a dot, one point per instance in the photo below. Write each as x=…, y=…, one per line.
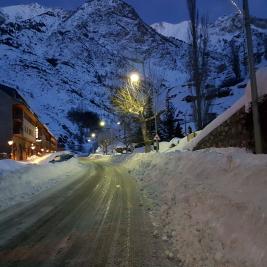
x=22, y=135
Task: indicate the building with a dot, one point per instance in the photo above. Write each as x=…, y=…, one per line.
x=21, y=133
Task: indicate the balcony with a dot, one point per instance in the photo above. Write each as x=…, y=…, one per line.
x=17, y=128
x=17, y=115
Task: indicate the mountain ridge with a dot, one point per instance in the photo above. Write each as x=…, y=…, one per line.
x=62, y=59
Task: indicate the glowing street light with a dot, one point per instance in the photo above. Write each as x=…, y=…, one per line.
x=10, y=143
x=102, y=123
x=135, y=77
x=118, y=123
x=93, y=135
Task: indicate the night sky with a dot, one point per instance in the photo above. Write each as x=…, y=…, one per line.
x=162, y=10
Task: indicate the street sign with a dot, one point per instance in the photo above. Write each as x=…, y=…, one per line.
x=157, y=138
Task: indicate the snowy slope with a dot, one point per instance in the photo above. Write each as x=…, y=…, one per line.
x=59, y=60
x=178, y=31
x=24, y=12
x=226, y=30
x=64, y=60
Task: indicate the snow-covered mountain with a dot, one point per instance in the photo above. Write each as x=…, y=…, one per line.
x=178, y=31
x=59, y=60
x=24, y=12
x=221, y=33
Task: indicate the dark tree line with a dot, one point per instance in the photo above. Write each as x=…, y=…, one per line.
x=86, y=121
x=170, y=124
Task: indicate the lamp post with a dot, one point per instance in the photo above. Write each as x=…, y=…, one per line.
x=135, y=77
x=155, y=96
x=102, y=123
x=253, y=79
x=11, y=143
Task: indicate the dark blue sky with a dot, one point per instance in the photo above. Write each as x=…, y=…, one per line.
x=162, y=10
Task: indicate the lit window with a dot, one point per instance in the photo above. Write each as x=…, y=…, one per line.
x=36, y=132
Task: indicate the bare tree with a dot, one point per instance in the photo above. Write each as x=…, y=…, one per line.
x=198, y=64
x=127, y=127
x=134, y=99
x=235, y=60
x=106, y=138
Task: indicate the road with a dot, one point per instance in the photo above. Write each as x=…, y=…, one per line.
x=98, y=220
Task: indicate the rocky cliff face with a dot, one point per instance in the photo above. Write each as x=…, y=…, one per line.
x=59, y=60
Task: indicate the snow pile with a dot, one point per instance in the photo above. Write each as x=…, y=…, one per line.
x=8, y=165
x=210, y=205
x=22, y=184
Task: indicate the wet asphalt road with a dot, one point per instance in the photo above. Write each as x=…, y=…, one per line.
x=98, y=220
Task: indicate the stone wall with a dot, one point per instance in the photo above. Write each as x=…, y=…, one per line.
x=237, y=131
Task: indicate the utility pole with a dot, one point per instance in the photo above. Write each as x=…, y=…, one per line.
x=253, y=80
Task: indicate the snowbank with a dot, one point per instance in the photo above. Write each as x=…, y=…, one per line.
x=8, y=165
x=20, y=182
x=209, y=205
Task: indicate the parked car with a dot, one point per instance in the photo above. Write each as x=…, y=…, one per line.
x=61, y=158
x=3, y=156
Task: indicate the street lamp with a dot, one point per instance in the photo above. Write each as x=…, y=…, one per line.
x=10, y=143
x=93, y=135
x=102, y=123
x=134, y=77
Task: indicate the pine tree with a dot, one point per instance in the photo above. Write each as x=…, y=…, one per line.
x=178, y=129
x=265, y=48
x=151, y=122
x=168, y=124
